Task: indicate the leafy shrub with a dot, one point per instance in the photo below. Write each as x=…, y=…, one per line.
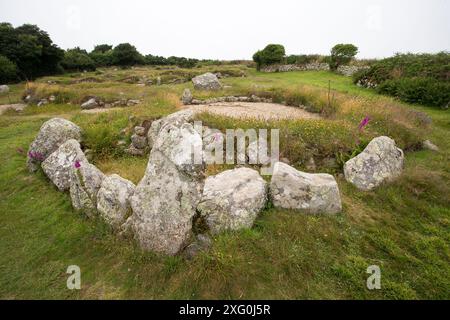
x=425, y=91
x=303, y=59
x=271, y=54
x=416, y=78
x=342, y=54
x=77, y=60
x=8, y=70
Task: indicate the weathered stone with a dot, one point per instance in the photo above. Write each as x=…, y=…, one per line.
x=380, y=161
x=232, y=199
x=85, y=182
x=52, y=134
x=132, y=150
x=140, y=131
x=166, y=198
x=427, y=144
x=310, y=193
x=175, y=119
x=58, y=165
x=187, y=97
x=90, y=104
x=207, y=81
x=139, y=142
x=113, y=200
x=202, y=243
x=133, y=102
x=4, y=89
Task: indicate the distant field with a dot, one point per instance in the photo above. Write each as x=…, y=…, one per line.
x=403, y=227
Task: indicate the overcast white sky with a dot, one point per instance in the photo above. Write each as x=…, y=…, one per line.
x=235, y=29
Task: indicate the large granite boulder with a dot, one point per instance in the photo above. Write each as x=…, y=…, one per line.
x=207, y=81
x=310, y=193
x=113, y=200
x=176, y=119
x=59, y=164
x=51, y=136
x=380, y=161
x=85, y=182
x=232, y=199
x=165, y=200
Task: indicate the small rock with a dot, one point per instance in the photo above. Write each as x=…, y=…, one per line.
x=186, y=98
x=42, y=102
x=140, y=131
x=90, y=104
x=139, y=142
x=311, y=164
x=427, y=144
x=4, y=89
x=132, y=150
x=52, y=98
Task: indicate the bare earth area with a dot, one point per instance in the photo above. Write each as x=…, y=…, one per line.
x=255, y=110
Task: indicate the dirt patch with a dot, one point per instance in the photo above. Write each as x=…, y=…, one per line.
x=255, y=110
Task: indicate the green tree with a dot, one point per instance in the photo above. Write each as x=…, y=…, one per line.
x=31, y=49
x=257, y=59
x=126, y=55
x=77, y=60
x=271, y=54
x=342, y=54
x=102, y=48
x=8, y=70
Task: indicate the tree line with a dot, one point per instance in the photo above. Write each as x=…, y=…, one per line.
x=340, y=54
x=27, y=52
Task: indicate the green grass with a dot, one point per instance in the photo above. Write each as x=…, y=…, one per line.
x=403, y=227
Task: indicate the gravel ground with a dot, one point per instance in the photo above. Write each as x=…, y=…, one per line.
x=255, y=110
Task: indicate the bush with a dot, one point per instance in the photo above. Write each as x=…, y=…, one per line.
x=8, y=70
x=303, y=59
x=425, y=91
x=77, y=60
x=272, y=53
x=342, y=54
x=417, y=78
x=126, y=55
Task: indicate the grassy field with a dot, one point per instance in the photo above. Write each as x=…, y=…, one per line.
x=403, y=227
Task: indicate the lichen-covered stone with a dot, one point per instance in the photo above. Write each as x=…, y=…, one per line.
x=232, y=199
x=85, y=183
x=207, y=81
x=58, y=165
x=113, y=200
x=166, y=198
x=51, y=136
x=176, y=119
x=310, y=193
x=380, y=161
